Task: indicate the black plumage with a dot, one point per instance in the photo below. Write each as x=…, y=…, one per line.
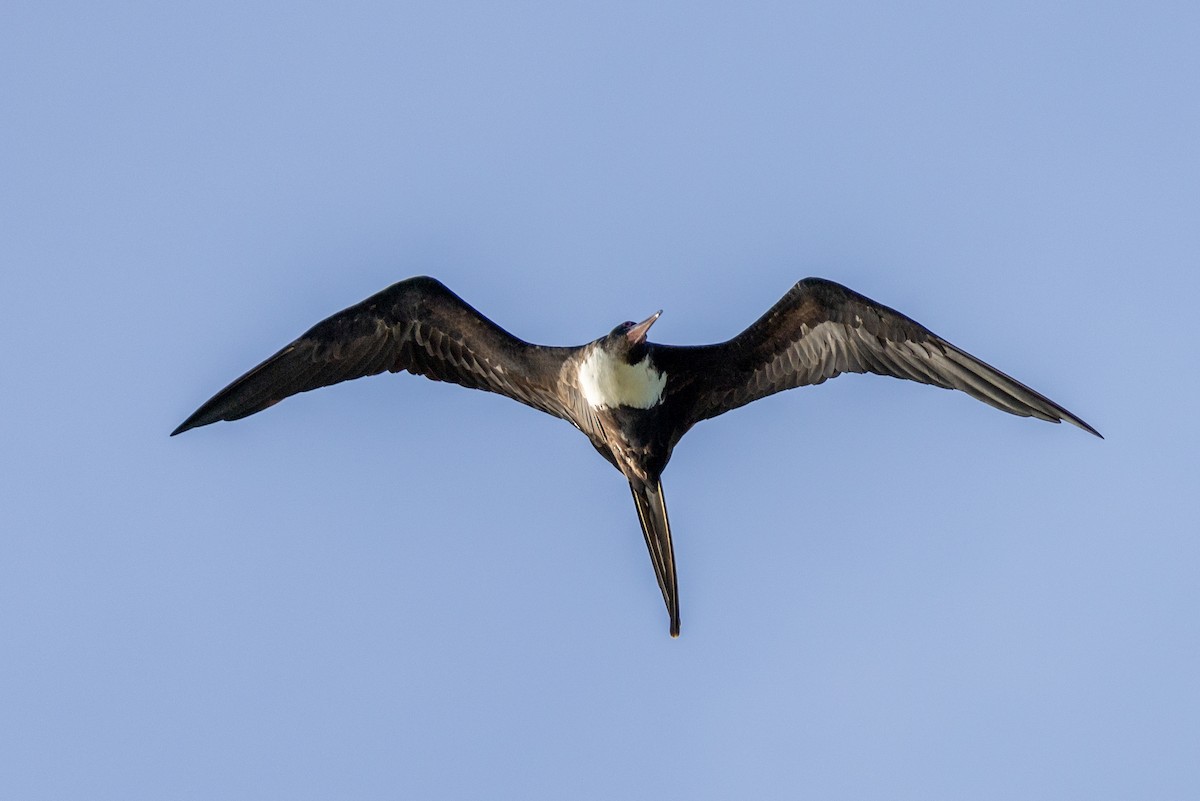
x=632, y=398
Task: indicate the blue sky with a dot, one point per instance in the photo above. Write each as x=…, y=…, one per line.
x=401, y=589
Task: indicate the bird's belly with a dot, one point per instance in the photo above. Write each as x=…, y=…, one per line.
x=637, y=440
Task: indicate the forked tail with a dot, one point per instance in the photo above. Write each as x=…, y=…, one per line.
x=652, y=513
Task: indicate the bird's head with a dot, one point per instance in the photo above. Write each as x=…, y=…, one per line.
x=628, y=340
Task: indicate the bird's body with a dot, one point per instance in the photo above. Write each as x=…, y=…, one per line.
x=633, y=399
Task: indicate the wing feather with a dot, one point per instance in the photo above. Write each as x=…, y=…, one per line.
x=821, y=329
x=417, y=325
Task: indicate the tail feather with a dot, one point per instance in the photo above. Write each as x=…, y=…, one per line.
x=652, y=513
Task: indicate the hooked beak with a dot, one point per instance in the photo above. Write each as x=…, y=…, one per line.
x=638, y=333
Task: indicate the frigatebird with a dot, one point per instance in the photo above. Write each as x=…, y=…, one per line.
x=632, y=398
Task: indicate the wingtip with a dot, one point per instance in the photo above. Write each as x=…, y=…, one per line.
x=205, y=415
x=188, y=425
x=1081, y=424
x=195, y=421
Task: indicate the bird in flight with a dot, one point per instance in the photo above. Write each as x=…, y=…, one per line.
x=632, y=398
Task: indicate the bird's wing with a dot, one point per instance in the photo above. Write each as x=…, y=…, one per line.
x=416, y=325
x=821, y=329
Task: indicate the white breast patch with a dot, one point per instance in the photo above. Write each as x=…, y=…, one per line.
x=608, y=382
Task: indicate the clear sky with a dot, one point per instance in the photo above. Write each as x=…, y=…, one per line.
x=401, y=589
